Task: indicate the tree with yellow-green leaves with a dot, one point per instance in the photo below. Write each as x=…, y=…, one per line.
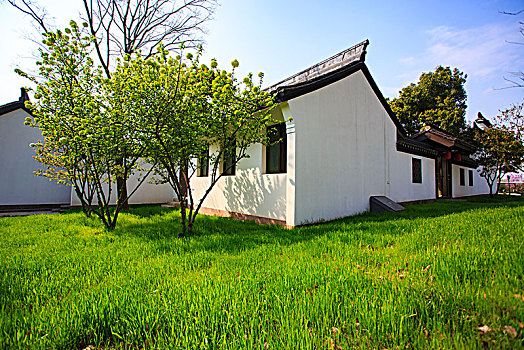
x=83, y=134
x=194, y=118
x=126, y=27
x=501, y=147
x=167, y=111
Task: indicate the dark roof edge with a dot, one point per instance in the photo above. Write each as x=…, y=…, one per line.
x=287, y=93
x=13, y=106
x=328, y=61
x=20, y=104
x=411, y=146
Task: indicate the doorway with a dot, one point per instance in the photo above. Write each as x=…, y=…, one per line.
x=443, y=177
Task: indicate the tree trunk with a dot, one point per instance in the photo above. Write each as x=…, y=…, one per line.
x=183, y=198
x=498, y=186
x=121, y=188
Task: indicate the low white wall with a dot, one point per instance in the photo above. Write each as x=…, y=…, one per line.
x=147, y=193
x=480, y=186
x=249, y=191
x=18, y=183
x=401, y=186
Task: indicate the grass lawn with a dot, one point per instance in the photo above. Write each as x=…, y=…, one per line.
x=430, y=276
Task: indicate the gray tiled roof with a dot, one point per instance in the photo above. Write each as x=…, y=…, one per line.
x=351, y=55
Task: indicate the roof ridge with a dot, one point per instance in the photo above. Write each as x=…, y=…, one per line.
x=356, y=53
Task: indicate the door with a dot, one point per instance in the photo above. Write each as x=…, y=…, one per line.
x=443, y=177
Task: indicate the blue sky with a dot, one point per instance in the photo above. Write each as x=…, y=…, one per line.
x=283, y=37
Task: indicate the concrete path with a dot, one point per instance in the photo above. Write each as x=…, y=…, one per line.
x=27, y=213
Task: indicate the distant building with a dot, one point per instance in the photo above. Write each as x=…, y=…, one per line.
x=481, y=122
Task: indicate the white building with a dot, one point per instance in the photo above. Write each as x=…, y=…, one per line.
x=342, y=145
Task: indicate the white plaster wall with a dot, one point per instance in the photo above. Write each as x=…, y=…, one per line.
x=340, y=153
x=401, y=186
x=147, y=193
x=249, y=191
x=18, y=184
x=345, y=153
x=480, y=186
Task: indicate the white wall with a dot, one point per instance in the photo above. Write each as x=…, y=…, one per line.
x=147, y=193
x=346, y=152
x=401, y=187
x=480, y=186
x=249, y=191
x=18, y=184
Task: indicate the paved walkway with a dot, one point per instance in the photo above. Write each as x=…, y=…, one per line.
x=27, y=213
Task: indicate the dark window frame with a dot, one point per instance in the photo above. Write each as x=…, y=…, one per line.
x=462, y=177
x=416, y=170
x=470, y=175
x=203, y=171
x=231, y=156
x=277, y=139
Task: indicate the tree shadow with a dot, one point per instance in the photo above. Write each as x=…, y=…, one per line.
x=253, y=193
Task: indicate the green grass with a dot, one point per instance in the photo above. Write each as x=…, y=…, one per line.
x=425, y=277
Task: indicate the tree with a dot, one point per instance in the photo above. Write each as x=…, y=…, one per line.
x=198, y=117
x=500, y=152
x=123, y=27
x=513, y=119
x=83, y=136
x=438, y=98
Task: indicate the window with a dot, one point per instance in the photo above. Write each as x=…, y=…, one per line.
x=276, y=152
x=462, y=177
x=416, y=170
x=470, y=173
x=228, y=162
x=203, y=164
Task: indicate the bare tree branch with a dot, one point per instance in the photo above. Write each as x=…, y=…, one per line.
x=517, y=79
x=130, y=26
x=34, y=11
x=511, y=13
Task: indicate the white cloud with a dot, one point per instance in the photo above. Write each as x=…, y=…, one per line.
x=407, y=60
x=478, y=51
x=390, y=91
x=481, y=52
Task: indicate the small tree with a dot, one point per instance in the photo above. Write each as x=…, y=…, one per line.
x=83, y=135
x=438, y=98
x=190, y=107
x=513, y=119
x=500, y=152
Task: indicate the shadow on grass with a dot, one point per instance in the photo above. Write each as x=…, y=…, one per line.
x=218, y=234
